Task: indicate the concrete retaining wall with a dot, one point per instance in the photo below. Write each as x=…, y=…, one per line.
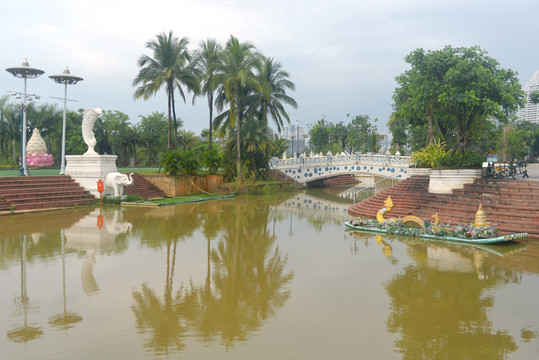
x=174, y=186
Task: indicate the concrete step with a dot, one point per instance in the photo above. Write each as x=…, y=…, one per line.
x=40, y=192
x=143, y=188
x=53, y=203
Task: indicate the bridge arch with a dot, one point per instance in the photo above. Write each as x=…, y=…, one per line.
x=314, y=168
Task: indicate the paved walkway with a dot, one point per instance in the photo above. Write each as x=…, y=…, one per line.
x=533, y=172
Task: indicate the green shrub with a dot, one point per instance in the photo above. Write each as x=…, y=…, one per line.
x=170, y=162
x=429, y=157
x=211, y=159
x=184, y=162
x=435, y=156
x=189, y=162
x=468, y=160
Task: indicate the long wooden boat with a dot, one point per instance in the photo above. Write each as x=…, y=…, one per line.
x=493, y=240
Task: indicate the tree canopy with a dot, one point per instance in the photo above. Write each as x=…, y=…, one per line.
x=452, y=90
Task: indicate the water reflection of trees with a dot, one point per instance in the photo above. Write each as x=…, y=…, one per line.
x=443, y=314
x=246, y=282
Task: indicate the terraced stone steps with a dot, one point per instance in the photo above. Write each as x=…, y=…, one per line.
x=143, y=188
x=42, y=192
x=4, y=205
x=343, y=180
x=512, y=206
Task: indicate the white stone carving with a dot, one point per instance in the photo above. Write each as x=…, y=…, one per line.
x=116, y=181
x=88, y=121
x=36, y=144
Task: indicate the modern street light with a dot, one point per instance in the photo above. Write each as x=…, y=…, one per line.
x=26, y=72
x=67, y=79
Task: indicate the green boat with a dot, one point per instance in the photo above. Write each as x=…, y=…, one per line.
x=492, y=240
x=480, y=232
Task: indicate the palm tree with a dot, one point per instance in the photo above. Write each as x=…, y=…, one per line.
x=274, y=82
x=234, y=75
x=280, y=145
x=170, y=66
x=207, y=58
x=189, y=139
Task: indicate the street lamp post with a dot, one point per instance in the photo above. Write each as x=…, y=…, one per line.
x=297, y=137
x=358, y=136
x=25, y=72
x=67, y=79
x=114, y=133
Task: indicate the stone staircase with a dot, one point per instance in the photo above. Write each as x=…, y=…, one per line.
x=340, y=181
x=510, y=205
x=143, y=188
x=41, y=192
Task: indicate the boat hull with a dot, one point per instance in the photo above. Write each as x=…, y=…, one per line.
x=495, y=240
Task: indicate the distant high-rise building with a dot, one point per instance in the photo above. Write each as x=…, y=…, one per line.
x=530, y=112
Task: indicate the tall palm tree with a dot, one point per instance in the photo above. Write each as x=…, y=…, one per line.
x=170, y=66
x=233, y=75
x=207, y=58
x=280, y=145
x=274, y=82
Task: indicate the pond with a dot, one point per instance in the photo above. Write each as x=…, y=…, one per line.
x=265, y=277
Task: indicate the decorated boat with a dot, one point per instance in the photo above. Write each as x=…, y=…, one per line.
x=480, y=232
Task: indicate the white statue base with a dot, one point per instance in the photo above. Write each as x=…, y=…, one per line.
x=88, y=169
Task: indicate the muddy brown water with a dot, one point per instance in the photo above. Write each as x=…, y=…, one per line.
x=257, y=277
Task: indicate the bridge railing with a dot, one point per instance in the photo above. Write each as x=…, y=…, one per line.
x=352, y=159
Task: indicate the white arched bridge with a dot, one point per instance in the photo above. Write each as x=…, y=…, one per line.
x=318, y=167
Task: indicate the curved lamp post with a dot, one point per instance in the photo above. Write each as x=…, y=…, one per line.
x=26, y=72
x=67, y=79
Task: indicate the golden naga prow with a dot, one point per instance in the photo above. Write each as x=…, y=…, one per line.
x=410, y=219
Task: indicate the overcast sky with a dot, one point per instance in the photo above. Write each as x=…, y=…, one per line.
x=343, y=55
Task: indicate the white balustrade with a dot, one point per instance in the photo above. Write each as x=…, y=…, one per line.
x=355, y=159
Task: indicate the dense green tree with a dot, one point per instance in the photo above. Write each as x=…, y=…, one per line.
x=362, y=133
x=152, y=130
x=170, y=66
x=75, y=144
x=339, y=134
x=457, y=87
x=10, y=129
x=400, y=136
x=207, y=58
x=319, y=135
x=233, y=75
x=534, y=97
x=530, y=134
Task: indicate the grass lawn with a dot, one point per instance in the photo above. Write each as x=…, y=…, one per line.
x=53, y=171
x=176, y=200
x=186, y=198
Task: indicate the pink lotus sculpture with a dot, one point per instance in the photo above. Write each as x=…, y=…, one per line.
x=39, y=160
x=36, y=150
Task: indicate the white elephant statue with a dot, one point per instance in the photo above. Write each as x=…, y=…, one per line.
x=116, y=181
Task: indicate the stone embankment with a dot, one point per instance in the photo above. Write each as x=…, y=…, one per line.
x=510, y=205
